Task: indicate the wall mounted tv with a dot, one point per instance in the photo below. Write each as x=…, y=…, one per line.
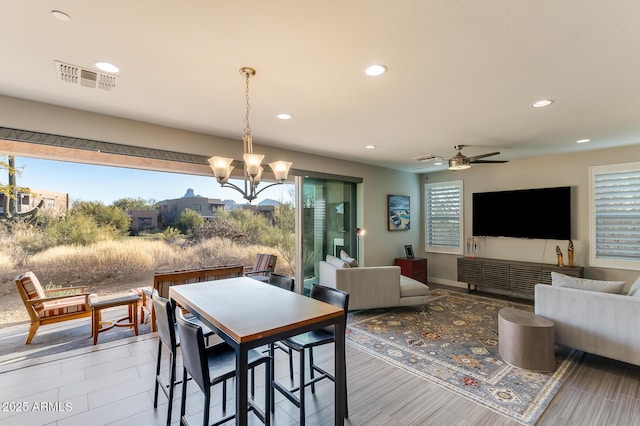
x=543, y=213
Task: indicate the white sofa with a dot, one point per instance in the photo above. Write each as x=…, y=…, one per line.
x=374, y=286
x=599, y=323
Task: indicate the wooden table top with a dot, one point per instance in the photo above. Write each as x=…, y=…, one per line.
x=524, y=318
x=246, y=309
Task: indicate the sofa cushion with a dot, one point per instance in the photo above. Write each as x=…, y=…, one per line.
x=635, y=289
x=561, y=280
x=411, y=288
x=337, y=262
x=350, y=260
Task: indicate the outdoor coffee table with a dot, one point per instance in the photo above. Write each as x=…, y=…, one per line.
x=98, y=303
x=526, y=340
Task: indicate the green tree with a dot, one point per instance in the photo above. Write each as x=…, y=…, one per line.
x=104, y=216
x=188, y=219
x=134, y=203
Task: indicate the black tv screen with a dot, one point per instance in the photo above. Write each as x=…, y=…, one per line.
x=543, y=213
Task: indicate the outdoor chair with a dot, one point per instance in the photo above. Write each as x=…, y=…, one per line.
x=262, y=267
x=168, y=337
x=309, y=340
x=45, y=307
x=211, y=365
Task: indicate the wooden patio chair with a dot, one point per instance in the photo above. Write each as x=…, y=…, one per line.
x=46, y=308
x=262, y=267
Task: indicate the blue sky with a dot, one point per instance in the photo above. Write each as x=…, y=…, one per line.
x=86, y=182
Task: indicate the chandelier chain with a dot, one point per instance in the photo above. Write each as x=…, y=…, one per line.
x=247, y=127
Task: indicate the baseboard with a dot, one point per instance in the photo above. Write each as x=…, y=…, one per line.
x=444, y=281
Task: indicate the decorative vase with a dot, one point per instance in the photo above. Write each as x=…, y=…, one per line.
x=559, y=256
x=570, y=253
x=472, y=247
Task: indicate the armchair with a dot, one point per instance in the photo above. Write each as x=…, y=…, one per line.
x=44, y=307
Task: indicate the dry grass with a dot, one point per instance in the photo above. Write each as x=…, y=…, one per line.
x=110, y=266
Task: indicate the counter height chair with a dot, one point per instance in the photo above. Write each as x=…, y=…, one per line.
x=215, y=364
x=168, y=338
x=309, y=340
x=282, y=281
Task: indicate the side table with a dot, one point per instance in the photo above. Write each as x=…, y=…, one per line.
x=526, y=340
x=98, y=303
x=415, y=268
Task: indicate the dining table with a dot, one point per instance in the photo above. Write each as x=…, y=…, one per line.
x=247, y=313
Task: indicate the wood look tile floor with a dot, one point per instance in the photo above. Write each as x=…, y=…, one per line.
x=112, y=384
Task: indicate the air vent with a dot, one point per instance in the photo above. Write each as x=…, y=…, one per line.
x=93, y=79
x=426, y=158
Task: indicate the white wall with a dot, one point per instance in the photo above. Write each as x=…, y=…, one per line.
x=378, y=247
x=557, y=170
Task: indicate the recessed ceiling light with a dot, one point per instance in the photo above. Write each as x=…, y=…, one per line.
x=107, y=67
x=583, y=140
x=438, y=163
x=542, y=103
x=61, y=16
x=285, y=116
x=371, y=147
x=375, y=70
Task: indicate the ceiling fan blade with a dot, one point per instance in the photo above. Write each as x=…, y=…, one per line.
x=477, y=157
x=488, y=161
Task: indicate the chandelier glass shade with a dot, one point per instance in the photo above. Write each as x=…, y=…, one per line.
x=222, y=166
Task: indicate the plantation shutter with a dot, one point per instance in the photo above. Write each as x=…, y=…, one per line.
x=444, y=215
x=616, y=215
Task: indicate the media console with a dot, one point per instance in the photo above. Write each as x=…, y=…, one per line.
x=510, y=275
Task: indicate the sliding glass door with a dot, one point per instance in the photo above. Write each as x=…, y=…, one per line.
x=328, y=224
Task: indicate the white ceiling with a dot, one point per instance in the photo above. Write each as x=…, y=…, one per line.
x=459, y=71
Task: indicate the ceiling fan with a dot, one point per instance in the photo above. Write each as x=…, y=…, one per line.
x=461, y=161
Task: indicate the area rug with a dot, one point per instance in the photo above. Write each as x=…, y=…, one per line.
x=454, y=344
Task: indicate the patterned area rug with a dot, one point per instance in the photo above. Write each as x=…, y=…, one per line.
x=455, y=345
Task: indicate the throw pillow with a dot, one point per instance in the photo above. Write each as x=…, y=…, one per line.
x=635, y=289
x=338, y=263
x=561, y=280
x=350, y=260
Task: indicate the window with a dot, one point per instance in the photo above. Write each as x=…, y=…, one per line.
x=444, y=215
x=614, y=216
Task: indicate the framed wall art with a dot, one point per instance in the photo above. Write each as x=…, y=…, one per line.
x=399, y=212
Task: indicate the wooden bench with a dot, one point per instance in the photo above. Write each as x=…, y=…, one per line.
x=162, y=281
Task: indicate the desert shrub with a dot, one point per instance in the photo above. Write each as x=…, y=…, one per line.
x=188, y=219
x=78, y=229
x=255, y=226
x=171, y=234
x=220, y=226
x=104, y=216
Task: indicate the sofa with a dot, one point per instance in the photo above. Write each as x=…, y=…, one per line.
x=373, y=286
x=596, y=322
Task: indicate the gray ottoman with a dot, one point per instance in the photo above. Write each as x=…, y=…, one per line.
x=526, y=340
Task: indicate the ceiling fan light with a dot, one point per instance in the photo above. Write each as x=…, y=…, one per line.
x=458, y=164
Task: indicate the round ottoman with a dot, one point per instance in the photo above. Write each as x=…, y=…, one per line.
x=526, y=340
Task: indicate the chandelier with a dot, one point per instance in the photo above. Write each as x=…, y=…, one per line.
x=252, y=162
